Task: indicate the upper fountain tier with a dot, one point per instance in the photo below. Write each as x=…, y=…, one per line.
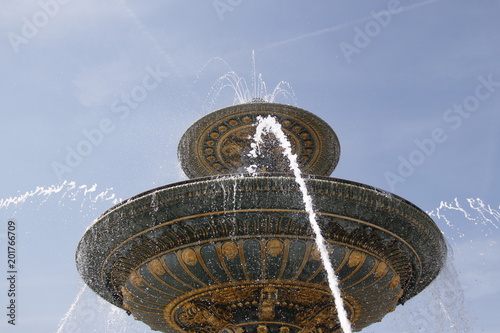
x=219, y=142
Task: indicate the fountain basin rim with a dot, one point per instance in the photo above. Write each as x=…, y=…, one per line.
x=259, y=175
x=87, y=256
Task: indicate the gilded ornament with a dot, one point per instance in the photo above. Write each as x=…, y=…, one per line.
x=200, y=315
x=395, y=282
x=125, y=293
x=268, y=300
x=262, y=329
x=232, y=329
x=381, y=269
x=189, y=257
x=315, y=254
x=325, y=316
x=233, y=295
x=230, y=250
x=136, y=279
x=355, y=258
x=275, y=247
x=155, y=266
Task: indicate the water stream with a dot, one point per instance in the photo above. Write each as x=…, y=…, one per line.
x=71, y=310
x=270, y=125
x=244, y=92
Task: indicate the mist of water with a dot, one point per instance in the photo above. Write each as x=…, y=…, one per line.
x=246, y=93
x=270, y=125
x=475, y=211
x=67, y=189
x=90, y=313
x=71, y=309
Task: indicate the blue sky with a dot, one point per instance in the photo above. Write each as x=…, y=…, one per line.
x=412, y=89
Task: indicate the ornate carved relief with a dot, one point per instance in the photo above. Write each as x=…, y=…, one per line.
x=203, y=318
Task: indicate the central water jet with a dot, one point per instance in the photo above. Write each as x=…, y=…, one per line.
x=270, y=125
x=230, y=251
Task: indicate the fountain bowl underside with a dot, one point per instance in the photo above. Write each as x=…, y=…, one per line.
x=236, y=254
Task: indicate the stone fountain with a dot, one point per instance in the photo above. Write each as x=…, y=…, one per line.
x=228, y=251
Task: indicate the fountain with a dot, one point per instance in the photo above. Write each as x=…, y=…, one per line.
x=234, y=251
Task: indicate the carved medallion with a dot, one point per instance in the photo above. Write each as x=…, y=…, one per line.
x=189, y=257
x=230, y=250
x=275, y=247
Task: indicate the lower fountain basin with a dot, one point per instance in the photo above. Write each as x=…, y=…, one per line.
x=236, y=254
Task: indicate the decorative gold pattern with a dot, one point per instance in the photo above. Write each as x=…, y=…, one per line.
x=267, y=305
x=189, y=257
x=125, y=293
x=315, y=254
x=227, y=296
x=196, y=317
x=230, y=250
x=294, y=296
x=275, y=247
x=305, y=297
x=136, y=279
x=311, y=318
x=381, y=269
x=232, y=329
x=355, y=258
x=262, y=329
x=156, y=267
x=395, y=282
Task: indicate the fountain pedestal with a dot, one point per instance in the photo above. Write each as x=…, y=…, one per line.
x=232, y=252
